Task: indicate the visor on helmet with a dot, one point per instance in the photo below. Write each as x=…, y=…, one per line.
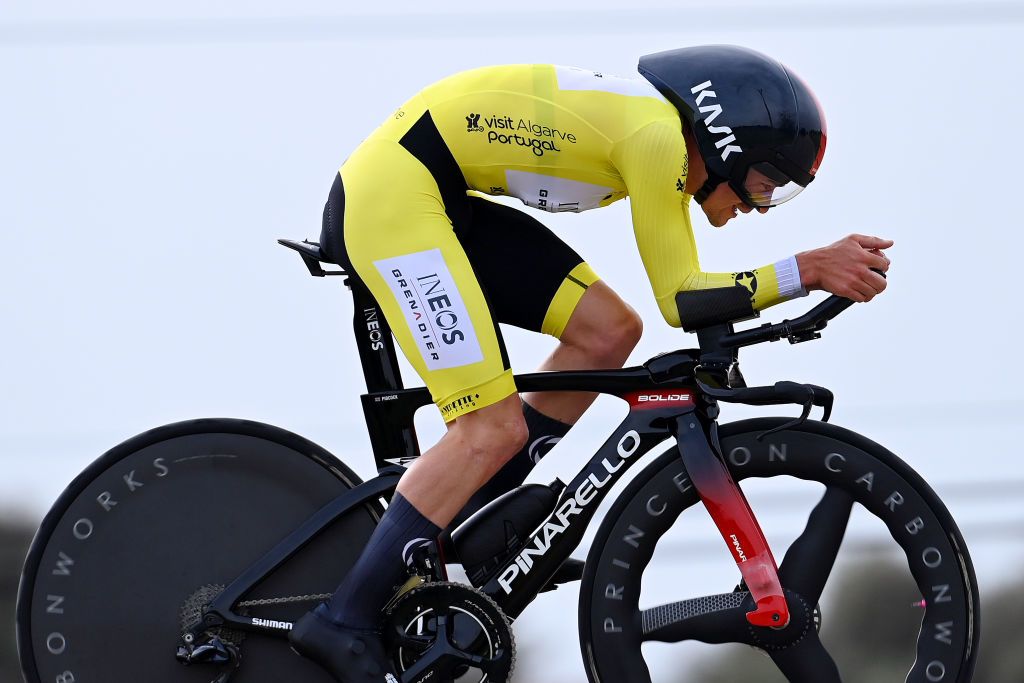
x=765, y=185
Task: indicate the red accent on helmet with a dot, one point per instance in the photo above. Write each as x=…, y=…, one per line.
x=821, y=151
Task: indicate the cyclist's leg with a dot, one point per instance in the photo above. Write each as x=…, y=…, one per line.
x=475, y=447
x=602, y=330
x=562, y=297
x=400, y=242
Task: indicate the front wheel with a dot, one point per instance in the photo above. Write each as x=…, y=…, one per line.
x=854, y=471
x=155, y=528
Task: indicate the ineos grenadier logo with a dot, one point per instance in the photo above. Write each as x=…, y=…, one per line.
x=373, y=329
x=433, y=307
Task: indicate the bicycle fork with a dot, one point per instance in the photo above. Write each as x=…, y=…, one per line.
x=735, y=521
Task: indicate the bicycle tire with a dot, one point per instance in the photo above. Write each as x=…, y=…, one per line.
x=165, y=513
x=937, y=556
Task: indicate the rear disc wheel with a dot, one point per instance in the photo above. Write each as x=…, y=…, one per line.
x=160, y=519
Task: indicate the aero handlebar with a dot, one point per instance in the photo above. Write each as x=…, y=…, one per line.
x=710, y=312
x=803, y=328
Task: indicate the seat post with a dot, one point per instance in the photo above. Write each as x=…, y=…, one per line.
x=389, y=424
x=376, y=346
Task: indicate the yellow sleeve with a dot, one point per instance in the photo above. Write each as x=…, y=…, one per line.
x=653, y=165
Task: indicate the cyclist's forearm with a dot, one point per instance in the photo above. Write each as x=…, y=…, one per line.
x=768, y=285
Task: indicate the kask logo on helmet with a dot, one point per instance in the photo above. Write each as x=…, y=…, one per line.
x=713, y=111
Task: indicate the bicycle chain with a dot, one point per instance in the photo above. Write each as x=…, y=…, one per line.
x=318, y=597
x=413, y=582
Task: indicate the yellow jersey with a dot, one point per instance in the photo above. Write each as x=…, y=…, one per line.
x=567, y=139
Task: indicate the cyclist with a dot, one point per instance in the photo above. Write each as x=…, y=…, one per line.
x=733, y=129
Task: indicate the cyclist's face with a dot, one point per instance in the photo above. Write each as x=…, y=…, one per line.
x=760, y=187
x=723, y=204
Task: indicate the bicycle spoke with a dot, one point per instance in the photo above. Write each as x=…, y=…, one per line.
x=809, y=559
x=709, y=619
x=807, y=662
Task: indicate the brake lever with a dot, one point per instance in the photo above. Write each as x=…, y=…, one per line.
x=826, y=402
x=814, y=395
x=795, y=422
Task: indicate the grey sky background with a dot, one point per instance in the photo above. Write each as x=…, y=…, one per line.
x=151, y=154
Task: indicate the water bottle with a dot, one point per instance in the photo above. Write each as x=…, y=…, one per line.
x=499, y=530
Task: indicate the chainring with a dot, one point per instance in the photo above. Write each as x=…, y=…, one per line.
x=449, y=633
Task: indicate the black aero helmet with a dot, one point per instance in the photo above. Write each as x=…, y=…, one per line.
x=757, y=124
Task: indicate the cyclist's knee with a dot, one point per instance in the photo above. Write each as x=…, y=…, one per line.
x=624, y=331
x=491, y=436
x=604, y=326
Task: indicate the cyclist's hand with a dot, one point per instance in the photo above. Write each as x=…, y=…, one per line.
x=845, y=267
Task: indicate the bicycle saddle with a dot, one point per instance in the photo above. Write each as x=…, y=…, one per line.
x=313, y=255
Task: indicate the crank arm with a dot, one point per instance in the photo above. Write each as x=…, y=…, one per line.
x=736, y=523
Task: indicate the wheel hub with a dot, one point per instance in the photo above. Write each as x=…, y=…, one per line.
x=802, y=618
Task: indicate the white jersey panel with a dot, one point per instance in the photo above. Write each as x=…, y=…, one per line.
x=554, y=194
x=433, y=307
x=573, y=78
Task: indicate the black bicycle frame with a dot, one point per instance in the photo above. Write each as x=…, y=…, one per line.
x=672, y=395
x=389, y=409
x=515, y=584
x=389, y=417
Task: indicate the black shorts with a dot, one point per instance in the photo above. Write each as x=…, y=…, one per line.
x=518, y=261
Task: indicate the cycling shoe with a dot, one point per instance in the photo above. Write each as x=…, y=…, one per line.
x=349, y=655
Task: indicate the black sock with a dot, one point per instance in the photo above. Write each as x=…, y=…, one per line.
x=545, y=432
x=381, y=567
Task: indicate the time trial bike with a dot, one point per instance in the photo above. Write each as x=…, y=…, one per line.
x=186, y=553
